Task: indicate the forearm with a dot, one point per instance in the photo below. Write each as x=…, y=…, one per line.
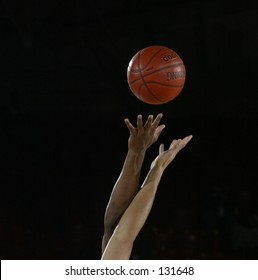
x=125, y=187
x=132, y=221
x=139, y=209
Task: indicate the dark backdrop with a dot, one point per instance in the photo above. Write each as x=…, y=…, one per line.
x=64, y=96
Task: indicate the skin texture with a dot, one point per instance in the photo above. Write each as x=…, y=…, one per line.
x=129, y=206
x=127, y=185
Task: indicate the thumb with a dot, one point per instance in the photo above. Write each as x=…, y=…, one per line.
x=158, y=130
x=161, y=149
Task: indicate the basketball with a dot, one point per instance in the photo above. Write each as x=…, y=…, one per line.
x=156, y=75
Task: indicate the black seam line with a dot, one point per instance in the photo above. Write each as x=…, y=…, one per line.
x=149, y=61
x=151, y=93
x=165, y=85
x=166, y=67
x=143, y=82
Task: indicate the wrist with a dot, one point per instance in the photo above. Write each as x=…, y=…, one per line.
x=155, y=173
x=157, y=166
x=137, y=152
x=135, y=159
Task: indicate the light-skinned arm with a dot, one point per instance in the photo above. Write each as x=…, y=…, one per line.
x=120, y=244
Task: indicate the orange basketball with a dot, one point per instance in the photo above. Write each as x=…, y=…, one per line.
x=156, y=75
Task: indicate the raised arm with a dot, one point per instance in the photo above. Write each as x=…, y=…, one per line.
x=127, y=185
x=121, y=243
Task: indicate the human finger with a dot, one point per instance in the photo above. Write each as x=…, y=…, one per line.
x=161, y=148
x=187, y=139
x=158, y=131
x=157, y=121
x=139, y=123
x=174, y=143
x=129, y=125
x=180, y=143
x=148, y=122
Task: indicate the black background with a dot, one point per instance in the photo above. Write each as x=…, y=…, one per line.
x=64, y=96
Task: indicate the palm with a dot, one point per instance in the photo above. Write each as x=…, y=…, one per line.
x=166, y=157
x=143, y=136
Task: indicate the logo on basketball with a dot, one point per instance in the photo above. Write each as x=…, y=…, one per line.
x=169, y=57
x=175, y=75
x=156, y=75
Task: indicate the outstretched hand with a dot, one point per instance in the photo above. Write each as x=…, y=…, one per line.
x=166, y=157
x=143, y=136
